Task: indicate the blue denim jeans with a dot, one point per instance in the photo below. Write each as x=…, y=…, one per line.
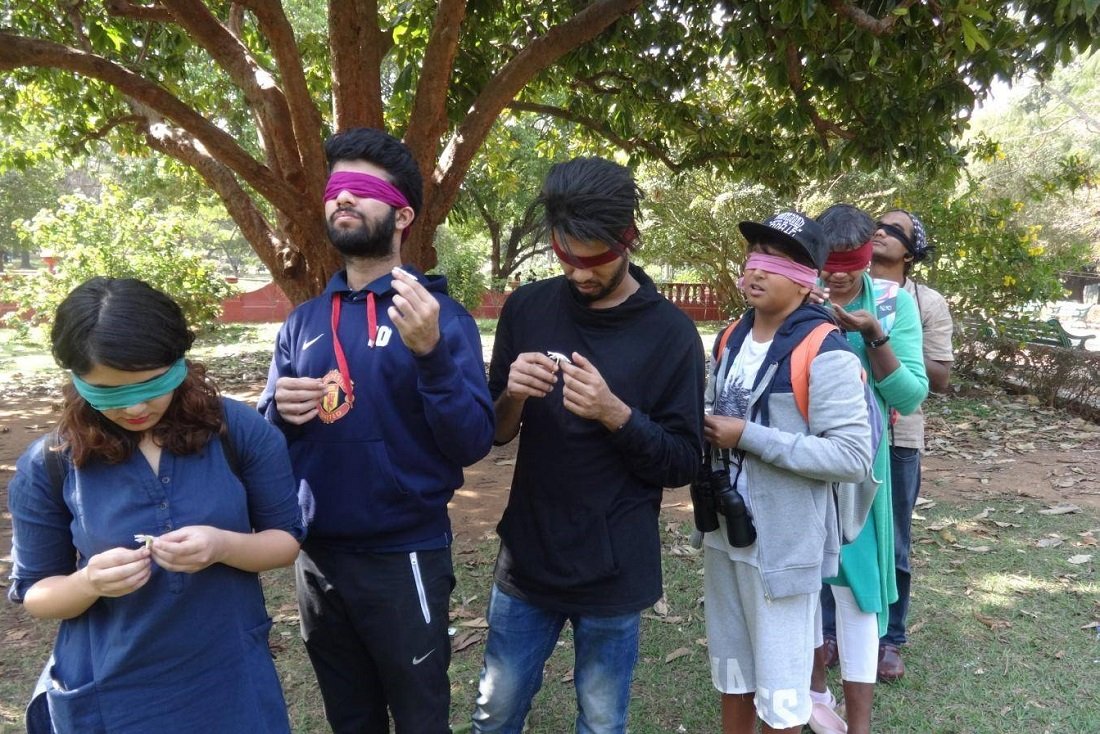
x=905, y=477
x=521, y=638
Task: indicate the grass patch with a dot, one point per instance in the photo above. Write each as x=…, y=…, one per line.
x=1000, y=636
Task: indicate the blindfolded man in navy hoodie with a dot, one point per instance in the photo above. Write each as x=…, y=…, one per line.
x=602, y=379
x=379, y=386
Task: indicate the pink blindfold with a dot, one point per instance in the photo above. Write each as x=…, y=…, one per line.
x=799, y=274
x=364, y=186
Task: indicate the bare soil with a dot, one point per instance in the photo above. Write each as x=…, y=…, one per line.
x=981, y=445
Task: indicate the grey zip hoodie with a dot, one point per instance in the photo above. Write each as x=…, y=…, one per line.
x=790, y=466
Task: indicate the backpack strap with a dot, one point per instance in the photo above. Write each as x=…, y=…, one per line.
x=232, y=456
x=725, y=337
x=801, y=357
x=56, y=465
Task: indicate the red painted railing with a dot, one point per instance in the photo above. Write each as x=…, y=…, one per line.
x=697, y=300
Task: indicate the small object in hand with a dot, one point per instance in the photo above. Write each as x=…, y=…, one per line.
x=558, y=357
x=147, y=539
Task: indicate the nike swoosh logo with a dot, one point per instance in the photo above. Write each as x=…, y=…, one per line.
x=309, y=343
x=418, y=661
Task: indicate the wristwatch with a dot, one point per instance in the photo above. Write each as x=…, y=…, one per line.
x=876, y=343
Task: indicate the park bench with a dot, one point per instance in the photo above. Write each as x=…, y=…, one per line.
x=1048, y=333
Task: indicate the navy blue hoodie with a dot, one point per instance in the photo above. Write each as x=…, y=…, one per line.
x=381, y=476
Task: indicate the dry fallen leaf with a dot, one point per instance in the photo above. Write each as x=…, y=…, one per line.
x=476, y=623
x=1051, y=542
x=1060, y=509
x=677, y=653
x=1079, y=559
x=661, y=607
x=467, y=639
x=991, y=622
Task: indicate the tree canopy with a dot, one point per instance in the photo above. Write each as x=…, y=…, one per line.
x=244, y=92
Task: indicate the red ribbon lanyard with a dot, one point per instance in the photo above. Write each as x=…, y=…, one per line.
x=372, y=334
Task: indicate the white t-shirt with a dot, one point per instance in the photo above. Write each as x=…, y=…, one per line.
x=733, y=400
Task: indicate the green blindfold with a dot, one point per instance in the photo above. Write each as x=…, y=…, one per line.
x=123, y=396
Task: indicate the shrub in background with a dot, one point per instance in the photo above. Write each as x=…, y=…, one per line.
x=120, y=237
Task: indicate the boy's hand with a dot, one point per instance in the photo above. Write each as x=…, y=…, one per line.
x=415, y=313
x=531, y=375
x=862, y=321
x=586, y=394
x=298, y=398
x=723, y=431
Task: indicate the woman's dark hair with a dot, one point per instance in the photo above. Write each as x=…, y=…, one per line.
x=384, y=151
x=127, y=325
x=589, y=199
x=846, y=227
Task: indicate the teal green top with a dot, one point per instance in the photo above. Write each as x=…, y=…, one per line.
x=867, y=563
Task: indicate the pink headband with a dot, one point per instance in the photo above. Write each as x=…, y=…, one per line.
x=799, y=274
x=366, y=186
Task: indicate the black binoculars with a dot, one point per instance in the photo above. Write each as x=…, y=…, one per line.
x=711, y=493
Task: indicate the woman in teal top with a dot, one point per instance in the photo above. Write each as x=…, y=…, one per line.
x=883, y=328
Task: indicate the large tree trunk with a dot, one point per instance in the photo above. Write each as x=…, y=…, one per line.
x=289, y=173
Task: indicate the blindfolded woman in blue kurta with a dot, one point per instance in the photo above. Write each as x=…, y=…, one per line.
x=169, y=634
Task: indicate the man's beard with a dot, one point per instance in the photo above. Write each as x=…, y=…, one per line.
x=367, y=240
x=604, y=292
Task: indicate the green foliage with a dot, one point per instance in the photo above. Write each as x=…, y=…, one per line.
x=461, y=263
x=120, y=237
x=691, y=225
x=989, y=261
x=776, y=93
x=1043, y=151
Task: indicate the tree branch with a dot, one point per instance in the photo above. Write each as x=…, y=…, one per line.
x=126, y=9
x=599, y=128
x=862, y=19
x=304, y=114
x=265, y=98
x=357, y=47
x=285, y=261
x=101, y=132
x=17, y=51
x=428, y=120
x=506, y=84
x=794, y=80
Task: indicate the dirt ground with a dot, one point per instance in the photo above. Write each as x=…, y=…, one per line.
x=998, y=447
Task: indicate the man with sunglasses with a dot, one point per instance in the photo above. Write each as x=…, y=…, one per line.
x=602, y=380
x=899, y=243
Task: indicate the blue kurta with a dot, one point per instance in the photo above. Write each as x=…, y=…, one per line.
x=185, y=652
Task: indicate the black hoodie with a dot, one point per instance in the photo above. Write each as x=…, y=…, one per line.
x=580, y=531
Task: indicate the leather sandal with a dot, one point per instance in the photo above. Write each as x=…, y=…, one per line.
x=891, y=667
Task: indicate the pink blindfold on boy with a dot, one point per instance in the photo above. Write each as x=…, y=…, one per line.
x=789, y=269
x=366, y=186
